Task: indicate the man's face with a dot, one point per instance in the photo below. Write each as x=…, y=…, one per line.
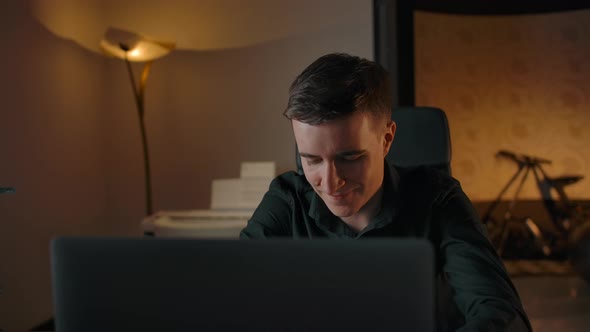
x=343, y=159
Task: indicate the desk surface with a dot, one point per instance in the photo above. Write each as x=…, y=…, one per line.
x=197, y=223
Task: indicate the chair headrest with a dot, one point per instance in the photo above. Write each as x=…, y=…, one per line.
x=422, y=138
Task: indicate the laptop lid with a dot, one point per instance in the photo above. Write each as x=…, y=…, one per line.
x=126, y=284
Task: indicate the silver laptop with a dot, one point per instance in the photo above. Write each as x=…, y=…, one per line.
x=150, y=284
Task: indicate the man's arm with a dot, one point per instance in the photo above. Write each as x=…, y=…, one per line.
x=482, y=288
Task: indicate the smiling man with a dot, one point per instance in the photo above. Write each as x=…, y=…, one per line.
x=340, y=110
x=346, y=171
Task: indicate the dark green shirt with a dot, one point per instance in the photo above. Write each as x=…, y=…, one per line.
x=474, y=290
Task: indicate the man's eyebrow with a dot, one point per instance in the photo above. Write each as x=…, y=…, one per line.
x=340, y=154
x=307, y=155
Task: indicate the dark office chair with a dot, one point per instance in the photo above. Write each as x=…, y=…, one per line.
x=422, y=138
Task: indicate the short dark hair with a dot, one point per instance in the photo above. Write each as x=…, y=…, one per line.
x=337, y=85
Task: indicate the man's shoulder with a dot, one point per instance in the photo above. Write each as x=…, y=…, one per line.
x=426, y=173
x=290, y=183
x=424, y=179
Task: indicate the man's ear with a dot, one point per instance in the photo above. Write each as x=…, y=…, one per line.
x=389, y=136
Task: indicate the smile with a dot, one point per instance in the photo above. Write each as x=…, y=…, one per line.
x=339, y=196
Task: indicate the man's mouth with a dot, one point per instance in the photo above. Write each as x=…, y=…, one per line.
x=339, y=196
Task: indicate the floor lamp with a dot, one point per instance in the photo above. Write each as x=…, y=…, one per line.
x=133, y=47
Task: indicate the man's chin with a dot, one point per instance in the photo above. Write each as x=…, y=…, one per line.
x=342, y=211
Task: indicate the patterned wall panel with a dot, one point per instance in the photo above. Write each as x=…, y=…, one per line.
x=520, y=83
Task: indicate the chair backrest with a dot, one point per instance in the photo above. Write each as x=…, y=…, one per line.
x=422, y=138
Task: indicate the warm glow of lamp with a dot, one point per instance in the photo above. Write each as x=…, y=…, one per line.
x=135, y=53
x=131, y=46
x=137, y=48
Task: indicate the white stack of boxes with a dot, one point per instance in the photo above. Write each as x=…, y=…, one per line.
x=232, y=203
x=244, y=193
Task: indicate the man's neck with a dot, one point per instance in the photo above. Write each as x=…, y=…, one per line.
x=361, y=219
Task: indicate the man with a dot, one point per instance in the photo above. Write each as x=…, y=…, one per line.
x=340, y=110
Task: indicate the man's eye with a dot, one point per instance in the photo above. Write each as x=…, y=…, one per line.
x=313, y=161
x=352, y=157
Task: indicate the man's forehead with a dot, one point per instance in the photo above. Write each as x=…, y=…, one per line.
x=356, y=122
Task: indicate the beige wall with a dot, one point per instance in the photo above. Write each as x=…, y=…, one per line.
x=520, y=83
x=51, y=150
x=69, y=140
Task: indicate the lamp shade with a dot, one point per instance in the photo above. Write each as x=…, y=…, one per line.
x=117, y=42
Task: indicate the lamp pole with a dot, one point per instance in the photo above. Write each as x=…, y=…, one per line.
x=131, y=46
x=138, y=92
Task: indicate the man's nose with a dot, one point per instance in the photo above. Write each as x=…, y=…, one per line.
x=332, y=179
